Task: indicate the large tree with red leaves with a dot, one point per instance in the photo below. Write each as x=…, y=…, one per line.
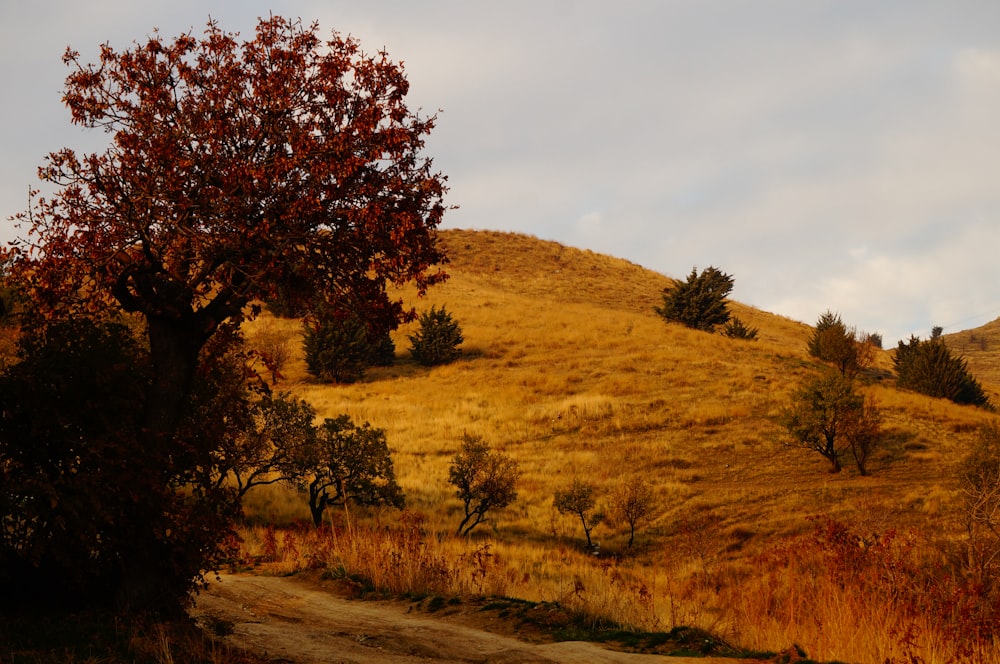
x=238, y=170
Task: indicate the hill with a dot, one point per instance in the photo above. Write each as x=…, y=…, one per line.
x=567, y=368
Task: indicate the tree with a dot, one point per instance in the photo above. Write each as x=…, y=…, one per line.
x=438, y=339
x=842, y=346
x=928, y=367
x=979, y=475
x=238, y=170
x=634, y=502
x=347, y=463
x=829, y=417
x=578, y=500
x=484, y=480
x=337, y=349
x=700, y=302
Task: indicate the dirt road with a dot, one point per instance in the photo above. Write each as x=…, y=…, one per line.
x=298, y=620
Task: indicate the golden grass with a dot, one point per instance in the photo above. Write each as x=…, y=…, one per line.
x=567, y=368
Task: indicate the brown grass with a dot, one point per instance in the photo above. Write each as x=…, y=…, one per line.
x=567, y=368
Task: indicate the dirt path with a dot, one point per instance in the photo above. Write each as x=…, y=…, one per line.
x=294, y=620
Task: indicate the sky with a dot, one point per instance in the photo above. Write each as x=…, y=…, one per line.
x=839, y=155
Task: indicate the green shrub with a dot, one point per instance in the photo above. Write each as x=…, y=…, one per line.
x=928, y=367
x=699, y=302
x=438, y=339
x=737, y=329
x=337, y=349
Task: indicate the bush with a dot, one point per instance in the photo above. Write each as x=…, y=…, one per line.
x=699, y=302
x=337, y=349
x=928, y=367
x=438, y=339
x=737, y=329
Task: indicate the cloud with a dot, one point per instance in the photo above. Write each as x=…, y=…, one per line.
x=830, y=154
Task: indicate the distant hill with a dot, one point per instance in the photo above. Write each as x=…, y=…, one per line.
x=981, y=349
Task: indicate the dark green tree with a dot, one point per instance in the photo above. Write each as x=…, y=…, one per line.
x=700, y=301
x=337, y=348
x=438, y=339
x=737, y=329
x=484, y=480
x=928, y=367
x=578, y=500
x=829, y=417
x=347, y=463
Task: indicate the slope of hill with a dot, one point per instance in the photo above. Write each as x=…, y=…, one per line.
x=568, y=369
x=981, y=349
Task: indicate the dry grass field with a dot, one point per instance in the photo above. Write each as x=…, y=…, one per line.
x=567, y=368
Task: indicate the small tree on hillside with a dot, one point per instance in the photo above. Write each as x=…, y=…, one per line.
x=829, y=417
x=842, y=346
x=979, y=475
x=929, y=367
x=578, y=500
x=634, y=502
x=484, y=481
x=438, y=339
x=347, y=463
x=700, y=302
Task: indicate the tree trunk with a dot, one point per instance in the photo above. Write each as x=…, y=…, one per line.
x=148, y=576
x=174, y=349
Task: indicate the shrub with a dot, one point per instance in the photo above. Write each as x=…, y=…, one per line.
x=699, y=302
x=484, y=481
x=337, y=348
x=737, y=329
x=928, y=367
x=438, y=339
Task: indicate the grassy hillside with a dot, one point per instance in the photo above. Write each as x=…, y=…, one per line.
x=567, y=368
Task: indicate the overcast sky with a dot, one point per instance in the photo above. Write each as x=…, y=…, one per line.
x=839, y=154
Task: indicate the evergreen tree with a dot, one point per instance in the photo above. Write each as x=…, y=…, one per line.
x=337, y=349
x=700, y=302
x=438, y=339
x=929, y=367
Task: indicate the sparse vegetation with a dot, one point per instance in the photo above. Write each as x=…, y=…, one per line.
x=736, y=551
x=634, y=503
